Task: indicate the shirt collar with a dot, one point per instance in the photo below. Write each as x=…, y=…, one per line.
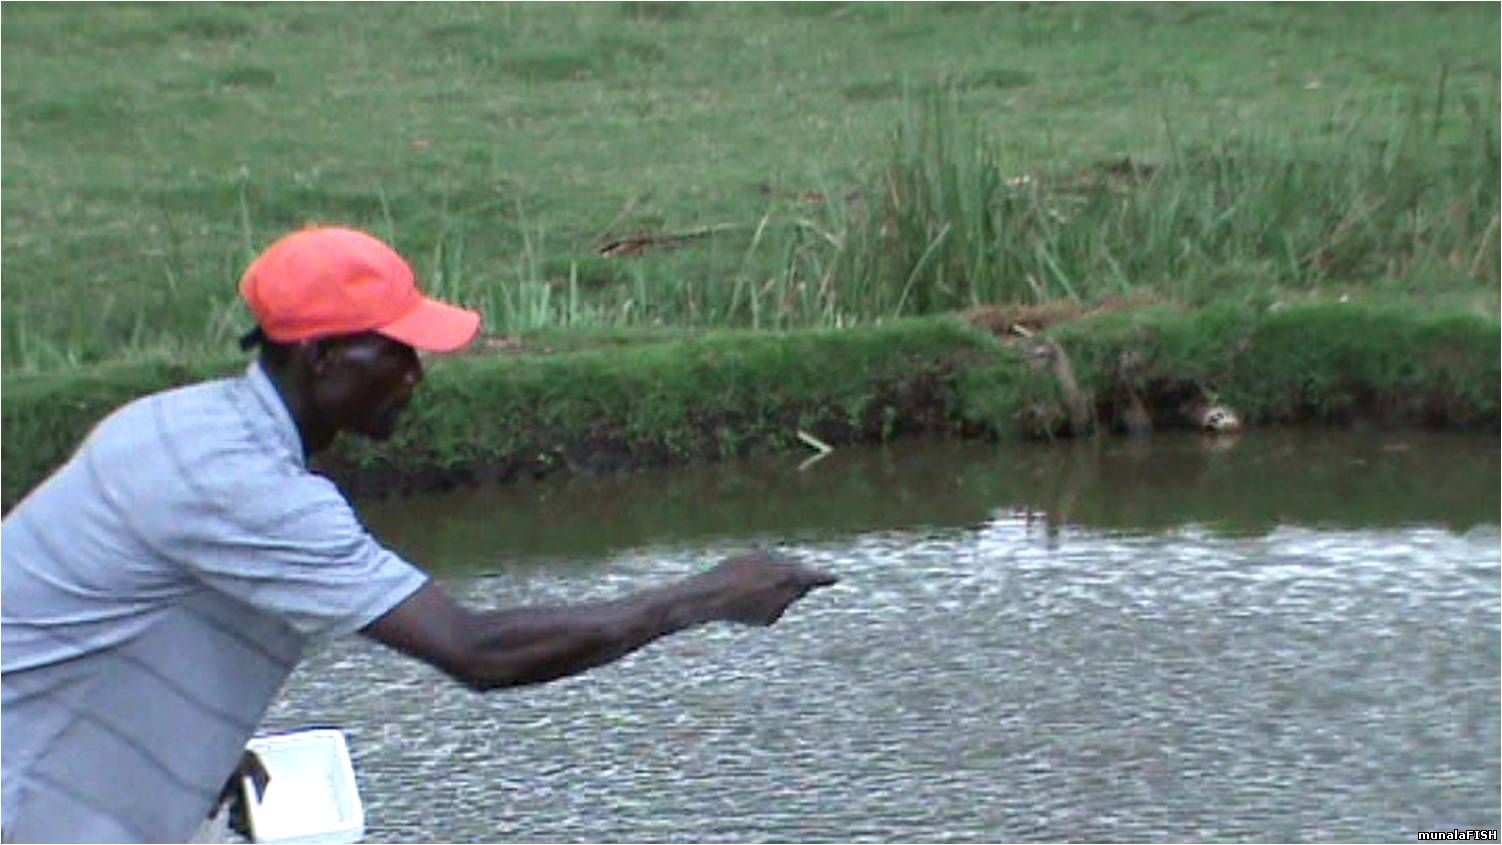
x=275, y=408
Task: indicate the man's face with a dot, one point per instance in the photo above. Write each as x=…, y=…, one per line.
x=363, y=382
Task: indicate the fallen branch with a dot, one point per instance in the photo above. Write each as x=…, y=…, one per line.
x=637, y=244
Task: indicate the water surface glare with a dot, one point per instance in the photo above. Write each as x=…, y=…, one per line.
x=1011, y=674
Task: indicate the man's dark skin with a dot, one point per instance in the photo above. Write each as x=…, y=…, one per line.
x=361, y=383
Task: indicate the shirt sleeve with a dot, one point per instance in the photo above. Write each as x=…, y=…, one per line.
x=297, y=551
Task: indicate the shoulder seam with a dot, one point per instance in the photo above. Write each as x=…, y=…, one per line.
x=198, y=489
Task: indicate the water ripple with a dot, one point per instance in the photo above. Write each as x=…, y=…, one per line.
x=1006, y=681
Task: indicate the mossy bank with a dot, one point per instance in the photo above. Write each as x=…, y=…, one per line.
x=627, y=400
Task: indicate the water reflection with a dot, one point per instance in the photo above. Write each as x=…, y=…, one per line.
x=1245, y=486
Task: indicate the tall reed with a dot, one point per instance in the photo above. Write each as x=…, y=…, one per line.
x=955, y=222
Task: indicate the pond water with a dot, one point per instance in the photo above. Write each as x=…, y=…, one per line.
x=1290, y=636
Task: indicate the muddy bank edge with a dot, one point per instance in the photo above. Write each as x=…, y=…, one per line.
x=498, y=418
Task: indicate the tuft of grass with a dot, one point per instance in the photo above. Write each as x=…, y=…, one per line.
x=959, y=222
x=996, y=77
x=212, y=27
x=547, y=64
x=248, y=76
x=658, y=10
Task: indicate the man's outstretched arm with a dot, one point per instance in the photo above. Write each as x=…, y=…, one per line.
x=534, y=645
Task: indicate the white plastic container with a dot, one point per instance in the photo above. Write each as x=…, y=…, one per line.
x=312, y=796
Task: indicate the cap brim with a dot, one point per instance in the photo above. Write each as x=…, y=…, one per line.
x=434, y=326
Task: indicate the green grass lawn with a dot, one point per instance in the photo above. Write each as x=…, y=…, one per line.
x=149, y=151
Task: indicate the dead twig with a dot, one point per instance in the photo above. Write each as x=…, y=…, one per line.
x=637, y=244
x=626, y=211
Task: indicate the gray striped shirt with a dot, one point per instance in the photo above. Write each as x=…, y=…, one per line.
x=156, y=591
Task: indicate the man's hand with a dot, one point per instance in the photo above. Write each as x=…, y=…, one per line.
x=757, y=588
x=250, y=766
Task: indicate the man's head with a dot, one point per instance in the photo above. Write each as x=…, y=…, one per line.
x=340, y=318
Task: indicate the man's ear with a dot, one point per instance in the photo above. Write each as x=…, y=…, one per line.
x=314, y=355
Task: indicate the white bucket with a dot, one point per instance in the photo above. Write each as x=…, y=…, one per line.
x=312, y=796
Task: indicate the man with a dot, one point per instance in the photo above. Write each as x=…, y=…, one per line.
x=161, y=585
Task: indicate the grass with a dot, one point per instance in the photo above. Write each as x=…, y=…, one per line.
x=1328, y=362
x=626, y=399
x=861, y=161
x=1406, y=215
x=1308, y=192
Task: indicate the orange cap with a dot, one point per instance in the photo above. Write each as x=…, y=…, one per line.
x=331, y=281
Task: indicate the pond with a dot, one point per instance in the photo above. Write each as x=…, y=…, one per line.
x=1289, y=636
